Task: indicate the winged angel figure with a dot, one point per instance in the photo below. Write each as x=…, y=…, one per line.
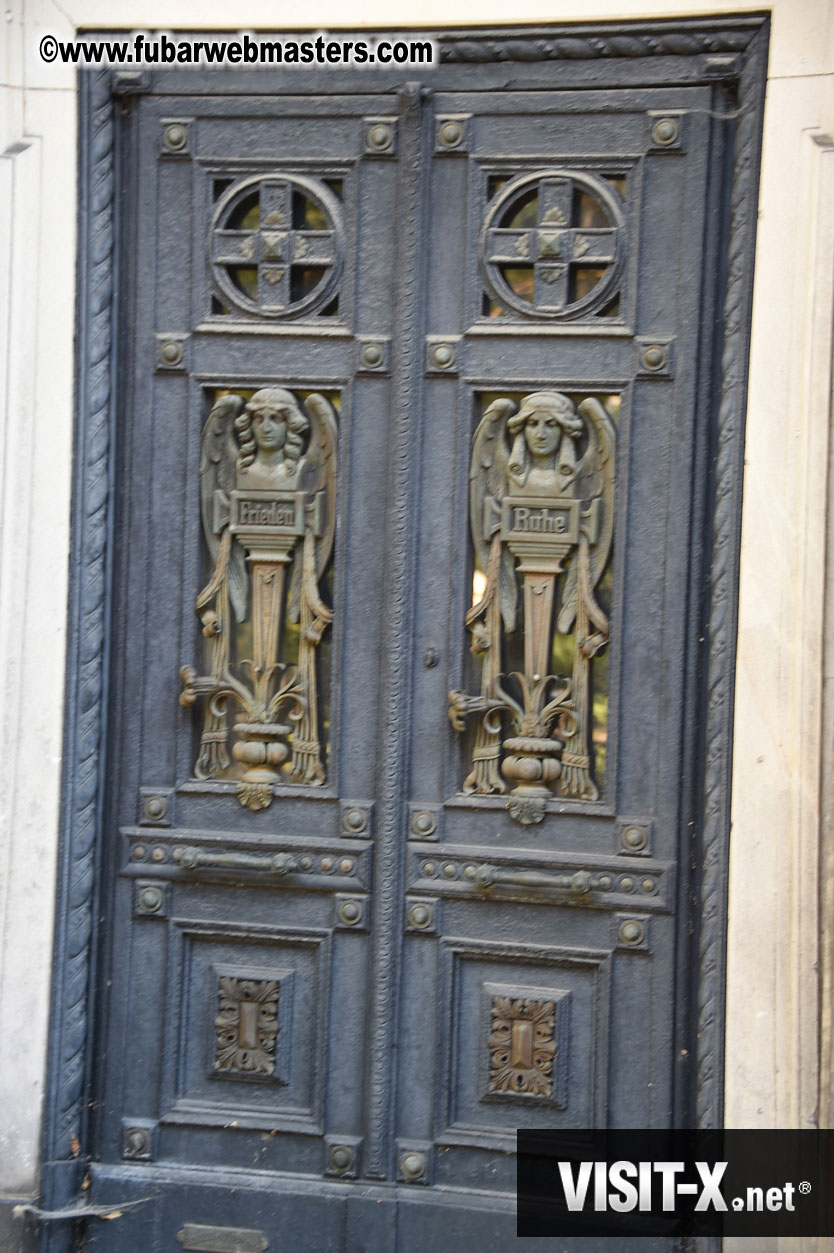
x=542, y=507
x=268, y=497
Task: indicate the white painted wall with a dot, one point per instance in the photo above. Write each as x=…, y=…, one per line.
x=772, y=1033
x=37, y=280
x=772, y=1026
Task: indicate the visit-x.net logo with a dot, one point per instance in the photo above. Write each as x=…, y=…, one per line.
x=676, y=1183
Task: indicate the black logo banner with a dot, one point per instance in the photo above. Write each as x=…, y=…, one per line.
x=675, y=1183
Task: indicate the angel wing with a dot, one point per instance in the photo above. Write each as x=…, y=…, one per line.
x=594, y=481
x=488, y=478
x=318, y=479
x=218, y=456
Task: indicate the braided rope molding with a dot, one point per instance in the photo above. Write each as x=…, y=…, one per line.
x=584, y=45
x=399, y=579
x=65, y=1127
x=723, y=606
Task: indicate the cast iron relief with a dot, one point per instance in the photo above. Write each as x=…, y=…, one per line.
x=268, y=492
x=277, y=246
x=542, y=517
x=521, y=1046
x=246, y=1026
x=552, y=244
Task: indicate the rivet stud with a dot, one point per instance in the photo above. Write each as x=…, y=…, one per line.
x=341, y=1157
x=631, y=931
x=155, y=808
x=424, y=823
x=634, y=838
x=170, y=352
x=451, y=134
x=380, y=137
x=136, y=1141
x=150, y=900
x=653, y=357
x=665, y=131
x=443, y=356
x=419, y=916
x=350, y=913
x=413, y=1166
x=174, y=137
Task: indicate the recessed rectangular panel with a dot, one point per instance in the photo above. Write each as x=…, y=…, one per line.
x=525, y=1039
x=248, y=1023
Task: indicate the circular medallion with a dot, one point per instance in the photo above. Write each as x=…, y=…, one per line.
x=552, y=244
x=276, y=246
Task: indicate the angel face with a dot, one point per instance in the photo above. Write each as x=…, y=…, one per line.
x=543, y=433
x=269, y=427
x=543, y=459
x=271, y=430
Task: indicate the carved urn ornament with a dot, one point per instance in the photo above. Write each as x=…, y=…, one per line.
x=542, y=519
x=267, y=487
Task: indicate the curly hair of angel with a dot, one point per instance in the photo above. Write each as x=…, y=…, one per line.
x=297, y=425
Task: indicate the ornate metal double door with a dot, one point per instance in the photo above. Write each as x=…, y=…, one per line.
x=412, y=475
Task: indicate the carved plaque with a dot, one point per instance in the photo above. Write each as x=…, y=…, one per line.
x=526, y=517
x=280, y=513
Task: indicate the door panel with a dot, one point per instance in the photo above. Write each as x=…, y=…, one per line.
x=342, y=992
x=501, y=966
x=225, y=953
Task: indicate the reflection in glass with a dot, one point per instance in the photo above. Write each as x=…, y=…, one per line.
x=306, y=215
x=524, y=213
x=246, y=215
x=493, y=310
x=302, y=282
x=520, y=279
x=583, y=280
x=245, y=279
x=588, y=212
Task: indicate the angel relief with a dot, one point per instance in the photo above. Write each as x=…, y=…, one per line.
x=268, y=495
x=542, y=518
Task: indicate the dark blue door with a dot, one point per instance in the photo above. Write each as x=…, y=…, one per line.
x=414, y=469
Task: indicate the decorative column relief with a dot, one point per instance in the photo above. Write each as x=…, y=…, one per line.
x=268, y=492
x=542, y=518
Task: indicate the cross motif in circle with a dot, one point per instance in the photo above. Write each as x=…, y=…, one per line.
x=274, y=247
x=554, y=246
